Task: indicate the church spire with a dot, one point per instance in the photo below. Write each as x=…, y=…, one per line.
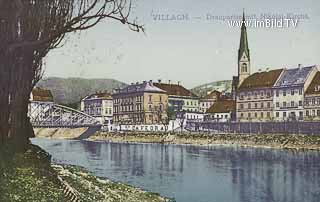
x=244, y=68
x=244, y=47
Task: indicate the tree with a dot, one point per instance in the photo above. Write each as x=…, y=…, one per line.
x=29, y=30
x=164, y=116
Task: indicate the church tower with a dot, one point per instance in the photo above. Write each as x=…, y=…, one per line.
x=243, y=54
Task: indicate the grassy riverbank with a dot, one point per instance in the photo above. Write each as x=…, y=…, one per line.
x=29, y=177
x=261, y=140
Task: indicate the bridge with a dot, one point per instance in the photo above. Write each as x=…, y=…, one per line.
x=49, y=114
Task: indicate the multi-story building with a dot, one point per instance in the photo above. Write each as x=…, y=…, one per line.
x=312, y=99
x=255, y=96
x=100, y=106
x=288, y=96
x=221, y=111
x=180, y=99
x=207, y=101
x=140, y=103
x=37, y=97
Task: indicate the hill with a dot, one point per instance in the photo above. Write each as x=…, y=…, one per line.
x=71, y=90
x=204, y=89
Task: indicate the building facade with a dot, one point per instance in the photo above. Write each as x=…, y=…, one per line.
x=255, y=96
x=206, y=102
x=179, y=98
x=100, y=106
x=142, y=103
x=289, y=93
x=312, y=100
x=221, y=111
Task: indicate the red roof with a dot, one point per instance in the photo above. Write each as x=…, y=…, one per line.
x=222, y=106
x=174, y=89
x=42, y=95
x=314, y=87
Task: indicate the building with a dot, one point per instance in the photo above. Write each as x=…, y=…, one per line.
x=312, y=100
x=180, y=99
x=41, y=95
x=289, y=93
x=255, y=96
x=244, y=66
x=140, y=103
x=221, y=111
x=100, y=106
x=206, y=102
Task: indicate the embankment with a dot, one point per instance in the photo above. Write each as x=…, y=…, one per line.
x=59, y=133
x=282, y=141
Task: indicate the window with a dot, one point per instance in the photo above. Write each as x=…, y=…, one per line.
x=268, y=114
x=249, y=115
x=277, y=104
x=261, y=93
x=307, y=113
x=300, y=115
x=256, y=115
x=292, y=103
x=300, y=91
x=277, y=114
x=249, y=106
x=292, y=92
x=284, y=104
x=268, y=104
x=284, y=93
x=318, y=112
x=241, y=115
x=244, y=67
x=284, y=114
x=313, y=101
x=256, y=105
x=300, y=103
x=277, y=93
x=261, y=114
x=160, y=98
x=241, y=106
x=150, y=98
x=262, y=105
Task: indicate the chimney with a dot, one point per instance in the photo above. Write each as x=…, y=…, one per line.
x=169, y=81
x=300, y=66
x=178, y=83
x=144, y=82
x=137, y=82
x=159, y=80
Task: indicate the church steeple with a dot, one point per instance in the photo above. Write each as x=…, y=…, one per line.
x=243, y=53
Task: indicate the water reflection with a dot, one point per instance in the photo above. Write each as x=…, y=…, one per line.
x=199, y=174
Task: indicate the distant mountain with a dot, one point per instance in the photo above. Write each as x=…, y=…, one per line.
x=204, y=89
x=71, y=90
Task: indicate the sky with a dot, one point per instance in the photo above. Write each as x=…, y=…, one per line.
x=188, y=43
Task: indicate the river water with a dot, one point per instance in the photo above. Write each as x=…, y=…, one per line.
x=196, y=173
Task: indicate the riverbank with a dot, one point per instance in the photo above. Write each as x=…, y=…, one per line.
x=281, y=141
x=30, y=176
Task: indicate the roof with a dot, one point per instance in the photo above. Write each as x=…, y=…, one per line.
x=261, y=80
x=213, y=94
x=314, y=87
x=140, y=87
x=43, y=95
x=222, y=106
x=244, y=47
x=102, y=95
x=174, y=89
x=292, y=77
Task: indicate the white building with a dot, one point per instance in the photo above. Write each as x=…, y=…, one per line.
x=289, y=91
x=100, y=106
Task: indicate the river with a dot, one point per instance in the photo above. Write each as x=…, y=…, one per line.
x=196, y=173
